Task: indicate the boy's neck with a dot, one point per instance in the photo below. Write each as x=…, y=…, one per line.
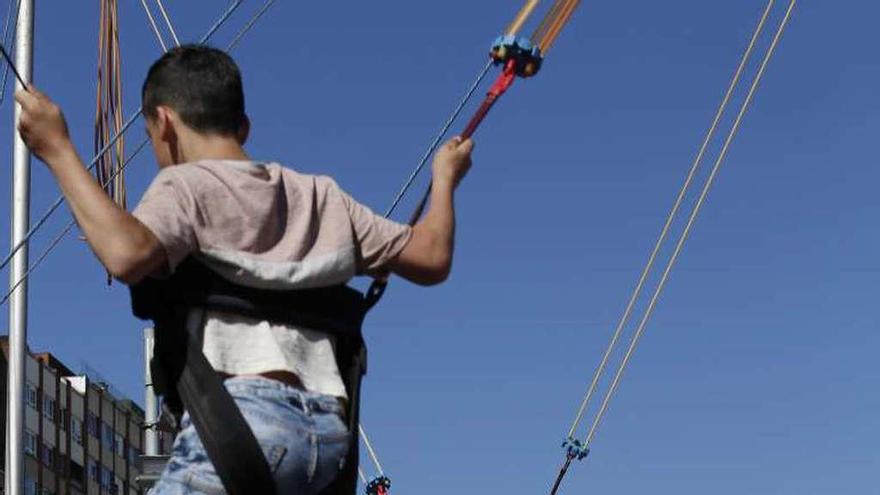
x=196, y=147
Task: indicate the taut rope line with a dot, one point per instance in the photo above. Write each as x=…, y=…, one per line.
x=155, y=27
x=577, y=449
x=168, y=22
x=669, y=220
x=703, y=194
x=438, y=139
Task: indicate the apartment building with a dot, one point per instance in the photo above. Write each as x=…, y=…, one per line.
x=79, y=438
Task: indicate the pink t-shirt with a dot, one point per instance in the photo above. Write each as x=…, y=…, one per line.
x=263, y=225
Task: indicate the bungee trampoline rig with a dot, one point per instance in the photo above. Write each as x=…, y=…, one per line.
x=516, y=56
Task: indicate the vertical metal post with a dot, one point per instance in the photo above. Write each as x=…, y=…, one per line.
x=21, y=183
x=151, y=406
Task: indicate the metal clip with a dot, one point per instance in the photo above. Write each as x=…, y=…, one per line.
x=575, y=449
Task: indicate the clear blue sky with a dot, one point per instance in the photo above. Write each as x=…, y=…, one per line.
x=758, y=373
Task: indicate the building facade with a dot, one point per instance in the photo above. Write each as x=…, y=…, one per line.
x=79, y=439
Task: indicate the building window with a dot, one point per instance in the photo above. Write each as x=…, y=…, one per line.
x=30, y=443
x=31, y=395
x=76, y=430
x=119, y=445
x=47, y=455
x=106, y=478
x=76, y=472
x=30, y=486
x=107, y=437
x=92, y=425
x=48, y=408
x=133, y=455
x=93, y=469
x=166, y=440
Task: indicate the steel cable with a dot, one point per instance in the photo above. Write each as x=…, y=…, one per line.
x=67, y=228
x=221, y=21
x=7, y=35
x=438, y=139
x=247, y=27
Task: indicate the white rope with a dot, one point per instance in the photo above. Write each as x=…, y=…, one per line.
x=673, y=213
x=370, y=450
x=168, y=22
x=684, y=235
x=154, y=26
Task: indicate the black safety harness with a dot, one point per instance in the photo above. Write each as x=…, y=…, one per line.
x=183, y=376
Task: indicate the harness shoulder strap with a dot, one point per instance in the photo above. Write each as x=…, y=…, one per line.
x=230, y=443
x=183, y=375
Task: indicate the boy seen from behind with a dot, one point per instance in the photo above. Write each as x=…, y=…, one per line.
x=257, y=224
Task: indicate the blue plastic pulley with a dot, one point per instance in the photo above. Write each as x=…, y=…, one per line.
x=527, y=54
x=575, y=449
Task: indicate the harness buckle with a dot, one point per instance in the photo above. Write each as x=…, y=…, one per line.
x=375, y=292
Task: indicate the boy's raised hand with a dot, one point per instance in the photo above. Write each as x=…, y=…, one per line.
x=452, y=161
x=427, y=257
x=42, y=125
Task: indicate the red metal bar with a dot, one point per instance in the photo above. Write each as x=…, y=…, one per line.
x=502, y=84
x=478, y=117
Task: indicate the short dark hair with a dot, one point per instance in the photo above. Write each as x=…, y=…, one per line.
x=202, y=84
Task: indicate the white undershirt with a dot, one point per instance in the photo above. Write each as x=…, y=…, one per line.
x=238, y=345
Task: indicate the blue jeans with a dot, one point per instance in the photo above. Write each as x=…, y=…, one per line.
x=302, y=435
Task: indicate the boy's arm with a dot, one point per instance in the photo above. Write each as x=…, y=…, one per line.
x=427, y=257
x=127, y=248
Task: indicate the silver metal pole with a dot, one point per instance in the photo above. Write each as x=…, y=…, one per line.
x=21, y=183
x=151, y=405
